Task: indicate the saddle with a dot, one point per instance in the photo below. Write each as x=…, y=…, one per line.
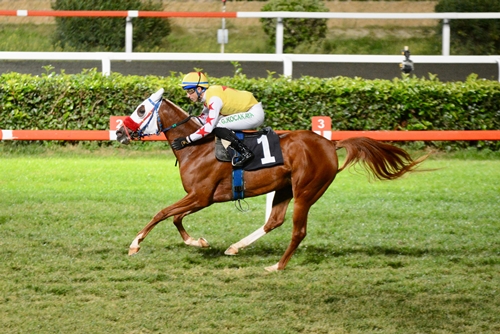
x=265, y=144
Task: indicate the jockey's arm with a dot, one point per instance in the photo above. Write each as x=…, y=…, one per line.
x=203, y=116
x=210, y=120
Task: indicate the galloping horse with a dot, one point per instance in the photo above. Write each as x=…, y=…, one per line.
x=310, y=166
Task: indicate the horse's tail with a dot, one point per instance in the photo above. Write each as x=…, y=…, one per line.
x=383, y=161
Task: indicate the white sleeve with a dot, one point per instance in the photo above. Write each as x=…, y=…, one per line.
x=213, y=109
x=203, y=116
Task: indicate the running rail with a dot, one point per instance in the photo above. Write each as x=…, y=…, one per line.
x=107, y=135
x=130, y=14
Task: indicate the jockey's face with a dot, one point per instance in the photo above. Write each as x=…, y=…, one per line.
x=194, y=94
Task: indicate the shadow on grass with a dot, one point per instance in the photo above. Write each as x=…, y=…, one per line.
x=314, y=254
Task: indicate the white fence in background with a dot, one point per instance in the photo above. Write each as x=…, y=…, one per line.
x=279, y=16
x=287, y=59
x=445, y=17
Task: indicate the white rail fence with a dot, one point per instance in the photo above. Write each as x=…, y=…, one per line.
x=287, y=59
x=445, y=17
x=129, y=15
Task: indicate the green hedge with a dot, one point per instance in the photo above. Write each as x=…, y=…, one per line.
x=88, y=99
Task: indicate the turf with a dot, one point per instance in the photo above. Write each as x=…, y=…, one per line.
x=417, y=255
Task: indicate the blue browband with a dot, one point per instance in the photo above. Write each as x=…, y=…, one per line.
x=161, y=129
x=155, y=110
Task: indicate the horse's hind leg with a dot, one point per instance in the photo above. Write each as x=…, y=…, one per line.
x=305, y=197
x=299, y=232
x=201, y=242
x=281, y=200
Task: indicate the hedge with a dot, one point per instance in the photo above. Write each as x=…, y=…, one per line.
x=87, y=100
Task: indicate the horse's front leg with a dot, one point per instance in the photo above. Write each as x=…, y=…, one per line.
x=201, y=242
x=181, y=208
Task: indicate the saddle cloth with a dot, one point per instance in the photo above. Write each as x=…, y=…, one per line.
x=265, y=144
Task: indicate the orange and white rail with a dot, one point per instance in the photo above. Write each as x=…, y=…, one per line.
x=104, y=135
x=279, y=14
x=129, y=14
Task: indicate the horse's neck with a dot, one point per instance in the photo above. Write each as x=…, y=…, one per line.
x=171, y=115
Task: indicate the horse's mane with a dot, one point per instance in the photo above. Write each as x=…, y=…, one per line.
x=185, y=114
x=175, y=106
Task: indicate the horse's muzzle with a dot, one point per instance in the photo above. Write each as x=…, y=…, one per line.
x=122, y=136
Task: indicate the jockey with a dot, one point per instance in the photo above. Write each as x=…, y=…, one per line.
x=224, y=109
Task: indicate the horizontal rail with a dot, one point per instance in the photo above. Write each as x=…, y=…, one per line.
x=279, y=14
x=268, y=57
x=287, y=59
x=104, y=135
x=383, y=16
x=129, y=14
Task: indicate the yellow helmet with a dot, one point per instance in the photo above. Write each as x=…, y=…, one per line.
x=193, y=80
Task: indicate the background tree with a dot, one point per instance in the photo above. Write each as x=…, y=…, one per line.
x=296, y=31
x=108, y=34
x=472, y=37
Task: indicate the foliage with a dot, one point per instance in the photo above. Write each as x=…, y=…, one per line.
x=108, y=34
x=87, y=100
x=469, y=36
x=296, y=31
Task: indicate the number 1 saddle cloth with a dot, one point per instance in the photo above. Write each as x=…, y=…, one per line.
x=265, y=144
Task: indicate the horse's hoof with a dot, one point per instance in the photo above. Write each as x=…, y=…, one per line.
x=231, y=251
x=272, y=268
x=133, y=251
x=203, y=242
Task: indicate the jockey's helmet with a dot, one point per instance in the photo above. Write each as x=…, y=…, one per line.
x=193, y=80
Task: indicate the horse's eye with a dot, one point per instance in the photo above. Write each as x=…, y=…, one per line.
x=141, y=111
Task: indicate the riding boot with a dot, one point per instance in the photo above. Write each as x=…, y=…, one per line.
x=245, y=154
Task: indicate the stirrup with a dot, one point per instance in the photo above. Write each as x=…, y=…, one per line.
x=239, y=160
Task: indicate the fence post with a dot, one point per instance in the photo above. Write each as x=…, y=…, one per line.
x=106, y=66
x=128, y=34
x=129, y=30
x=287, y=67
x=279, y=35
x=498, y=63
x=446, y=37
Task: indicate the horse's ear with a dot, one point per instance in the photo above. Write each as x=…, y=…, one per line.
x=158, y=95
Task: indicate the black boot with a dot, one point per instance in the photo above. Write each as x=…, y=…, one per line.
x=245, y=154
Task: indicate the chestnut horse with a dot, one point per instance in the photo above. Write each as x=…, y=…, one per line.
x=310, y=166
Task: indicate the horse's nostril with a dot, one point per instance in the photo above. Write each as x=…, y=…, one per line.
x=123, y=140
x=122, y=137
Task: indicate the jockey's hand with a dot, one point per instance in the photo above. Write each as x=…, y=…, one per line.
x=180, y=143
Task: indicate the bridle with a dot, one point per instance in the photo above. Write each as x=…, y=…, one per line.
x=139, y=134
x=164, y=130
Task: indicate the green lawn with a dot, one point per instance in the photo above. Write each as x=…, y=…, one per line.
x=417, y=255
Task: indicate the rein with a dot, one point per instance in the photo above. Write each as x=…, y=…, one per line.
x=171, y=126
x=176, y=124
x=161, y=129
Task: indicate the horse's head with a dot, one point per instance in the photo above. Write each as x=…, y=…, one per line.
x=142, y=122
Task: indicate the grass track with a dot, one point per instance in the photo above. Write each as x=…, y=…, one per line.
x=418, y=255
